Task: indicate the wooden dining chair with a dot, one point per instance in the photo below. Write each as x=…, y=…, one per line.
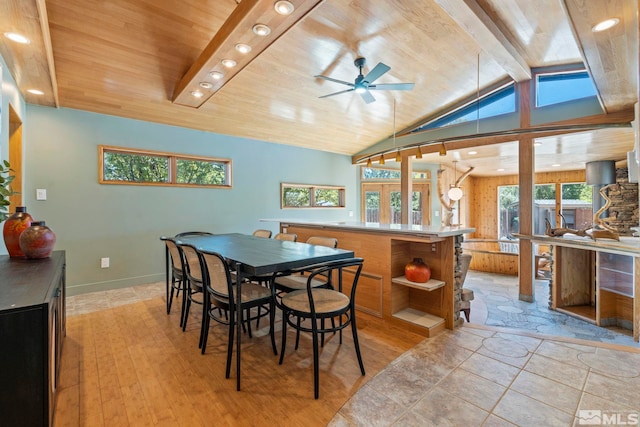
x=293, y=282
x=194, y=280
x=176, y=278
x=262, y=233
x=289, y=237
x=285, y=283
x=220, y=294
x=315, y=305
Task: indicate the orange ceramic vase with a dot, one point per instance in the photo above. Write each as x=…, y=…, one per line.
x=37, y=241
x=417, y=271
x=13, y=228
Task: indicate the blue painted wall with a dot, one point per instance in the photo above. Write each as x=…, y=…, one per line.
x=124, y=222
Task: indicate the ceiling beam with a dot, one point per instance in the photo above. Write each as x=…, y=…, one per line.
x=580, y=124
x=48, y=49
x=238, y=28
x=474, y=21
x=610, y=56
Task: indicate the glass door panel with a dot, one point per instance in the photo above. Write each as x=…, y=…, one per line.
x=372, y=206
x=382, y=203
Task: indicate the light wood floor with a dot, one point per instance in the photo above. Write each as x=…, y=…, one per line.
x=133, y=366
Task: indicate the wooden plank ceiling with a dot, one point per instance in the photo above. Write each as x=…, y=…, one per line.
x=131, y=58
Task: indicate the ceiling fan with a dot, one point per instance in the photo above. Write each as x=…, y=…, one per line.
x=364, y=84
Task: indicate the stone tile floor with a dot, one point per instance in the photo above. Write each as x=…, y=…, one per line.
x=496, y=304
x=479, y=376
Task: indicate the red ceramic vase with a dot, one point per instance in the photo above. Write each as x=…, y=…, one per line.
x=13, y=228
x=417, y=271
x=37, y=241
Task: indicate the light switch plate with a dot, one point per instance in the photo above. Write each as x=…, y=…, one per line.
x=41, y=194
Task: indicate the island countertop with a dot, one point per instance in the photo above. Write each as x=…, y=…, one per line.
x=420, y=230
x=624, y=246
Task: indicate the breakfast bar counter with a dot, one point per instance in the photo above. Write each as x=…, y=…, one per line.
x=383, y=291
x=596, y=280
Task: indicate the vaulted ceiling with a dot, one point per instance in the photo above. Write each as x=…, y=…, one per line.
x=141, y=59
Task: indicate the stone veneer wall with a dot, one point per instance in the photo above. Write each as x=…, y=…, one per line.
x=457, y=289
x=624, y=203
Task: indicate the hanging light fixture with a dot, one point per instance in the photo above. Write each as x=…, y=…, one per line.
x=382, y=159
x=455, y=193
x=398, y=156
x=443, y=149
x=419, y=155
x=369, y=162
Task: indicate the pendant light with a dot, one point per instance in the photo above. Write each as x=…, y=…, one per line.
x=382, y=159
x=443, y=150
x=455, y=192
x=398, y=156
x=419, y=155
x=369, y=162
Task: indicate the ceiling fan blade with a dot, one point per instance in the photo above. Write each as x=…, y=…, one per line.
x=377, y=71
x=391, y=86
x=334, y=80
x=368, y=98
x=337, y=93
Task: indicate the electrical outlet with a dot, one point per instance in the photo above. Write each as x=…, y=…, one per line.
x=104, y=262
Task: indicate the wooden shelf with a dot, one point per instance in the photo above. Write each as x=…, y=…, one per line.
x=418, y=317
x=431, y=285
x=584, y=312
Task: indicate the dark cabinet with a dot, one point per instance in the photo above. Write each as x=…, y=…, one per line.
x=32, y=327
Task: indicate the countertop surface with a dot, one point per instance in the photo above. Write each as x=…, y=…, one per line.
x=626, y=245
x=378, y=227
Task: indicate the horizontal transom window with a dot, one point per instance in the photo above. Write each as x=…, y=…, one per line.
x=142, y=167
x=311, y=196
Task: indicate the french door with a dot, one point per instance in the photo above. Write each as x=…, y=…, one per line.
x=381, y=203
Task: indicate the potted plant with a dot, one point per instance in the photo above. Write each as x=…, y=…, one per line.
x=5, y=189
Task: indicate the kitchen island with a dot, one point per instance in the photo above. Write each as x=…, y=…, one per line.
x=595, y=280
x=383, y=291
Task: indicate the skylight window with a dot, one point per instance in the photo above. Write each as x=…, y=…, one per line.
x=555, y=88
x=502, y=101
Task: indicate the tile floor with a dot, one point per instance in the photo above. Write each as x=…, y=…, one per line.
x=541, y=372
x=496, y=304
x=474, y=376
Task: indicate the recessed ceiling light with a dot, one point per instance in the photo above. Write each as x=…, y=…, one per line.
x=206, y=85
x=261, y=30
x=605, y=25
x=35, y=91
x=472, y=153
x=555, y=165
x=243, y=48
x=18, y=38
x=284, y=7
x=229, y=63
x=216, y=75
x=500, y=170
x=197, y=94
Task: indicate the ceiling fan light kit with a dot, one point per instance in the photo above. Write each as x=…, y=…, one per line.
x=363, y=85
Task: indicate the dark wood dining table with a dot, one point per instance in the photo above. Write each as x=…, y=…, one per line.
x=256, y=256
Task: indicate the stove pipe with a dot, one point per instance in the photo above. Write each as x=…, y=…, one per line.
x=599, y=174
